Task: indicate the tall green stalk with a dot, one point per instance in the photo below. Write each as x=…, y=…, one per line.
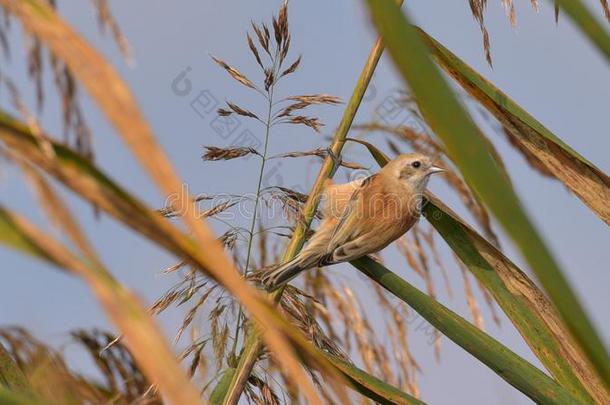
x=508, y=365
x=261, y=174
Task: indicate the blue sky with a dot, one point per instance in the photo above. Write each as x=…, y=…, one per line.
x=550, y=70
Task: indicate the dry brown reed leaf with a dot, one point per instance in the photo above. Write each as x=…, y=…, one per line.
x=234, y=73
x=542, y=149
x=519, y=285
x=547, y=156
x=214, y=153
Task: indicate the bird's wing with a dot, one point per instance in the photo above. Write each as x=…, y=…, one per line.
x=347, y=227
x=336, y=196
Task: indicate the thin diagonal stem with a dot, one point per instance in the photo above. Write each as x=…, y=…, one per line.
x=268, y=124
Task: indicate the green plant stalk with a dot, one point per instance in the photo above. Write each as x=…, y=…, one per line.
x=524, y=304
x=370, y=386
x=521, y=301
x=253, y=344
x=468, y=150
x=508, y=365
x=256, y=201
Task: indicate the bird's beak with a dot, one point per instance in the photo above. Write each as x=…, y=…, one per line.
x=435, y=169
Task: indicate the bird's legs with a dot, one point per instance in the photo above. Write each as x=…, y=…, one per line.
x=337, y=160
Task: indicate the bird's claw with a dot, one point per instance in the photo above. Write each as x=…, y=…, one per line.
x=337, y=161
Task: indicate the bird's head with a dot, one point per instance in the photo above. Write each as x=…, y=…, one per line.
x=414, y=169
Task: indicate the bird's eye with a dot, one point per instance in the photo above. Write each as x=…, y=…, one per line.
x=416, y=164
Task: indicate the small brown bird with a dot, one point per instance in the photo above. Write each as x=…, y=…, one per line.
x=362, y=217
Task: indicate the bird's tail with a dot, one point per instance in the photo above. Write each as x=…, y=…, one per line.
x=286, y=272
